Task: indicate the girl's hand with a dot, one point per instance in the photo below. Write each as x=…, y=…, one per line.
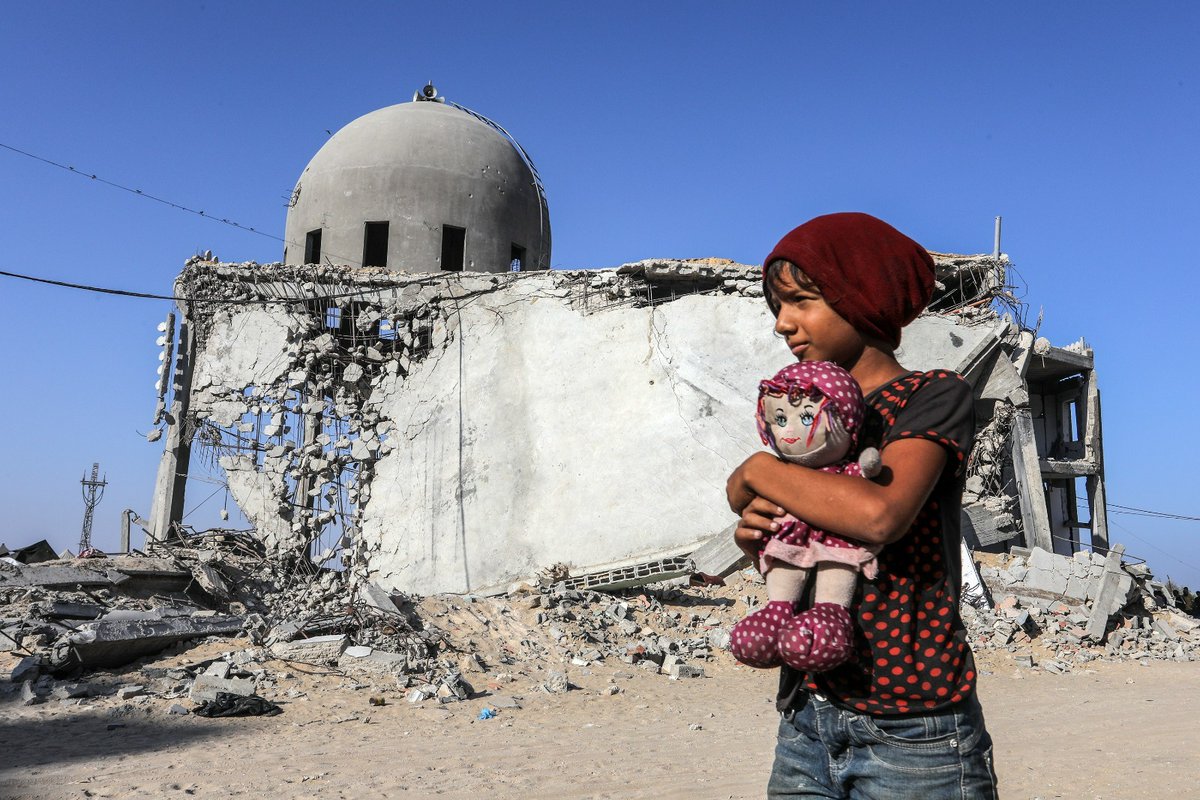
x=738, y=490
x=759, y=518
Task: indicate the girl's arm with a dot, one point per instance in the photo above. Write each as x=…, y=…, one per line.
x=878, y=511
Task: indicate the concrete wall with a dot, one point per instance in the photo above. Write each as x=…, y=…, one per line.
x=549, y=417
x=545, y=435
x=513, y=421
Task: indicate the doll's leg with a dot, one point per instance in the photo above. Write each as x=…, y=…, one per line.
x=755, y=640
x=822, y=637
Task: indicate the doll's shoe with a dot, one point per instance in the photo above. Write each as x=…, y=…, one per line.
x=818, y=639
x=755, y=640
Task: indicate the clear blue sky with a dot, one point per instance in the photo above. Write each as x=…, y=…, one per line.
x=677, y=130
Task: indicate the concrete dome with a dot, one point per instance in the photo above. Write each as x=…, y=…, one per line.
x=419, y=187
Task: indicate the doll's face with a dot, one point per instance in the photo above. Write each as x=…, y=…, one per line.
x=802, y=434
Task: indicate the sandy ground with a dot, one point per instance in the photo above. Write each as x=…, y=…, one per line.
x=1118, y=730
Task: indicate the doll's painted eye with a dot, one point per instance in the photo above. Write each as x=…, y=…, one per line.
x=806, y=419
x=781, y=419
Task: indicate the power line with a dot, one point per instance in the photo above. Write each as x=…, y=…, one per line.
x=1143, y=540
x=1150, y=544
x=140, y=193
x=1145, y=512
x=151, y=296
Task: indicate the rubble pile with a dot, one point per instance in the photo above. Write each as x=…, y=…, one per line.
x=1055, y=604
x=63, y=619
x=81, y=631
x=660, y=628
x=77, y=630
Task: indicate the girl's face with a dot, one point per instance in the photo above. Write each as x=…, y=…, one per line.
x=812, y=329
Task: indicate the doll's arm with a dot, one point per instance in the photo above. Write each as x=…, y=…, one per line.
x=875, y=512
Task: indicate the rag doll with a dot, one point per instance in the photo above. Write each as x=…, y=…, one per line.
x=810, y=414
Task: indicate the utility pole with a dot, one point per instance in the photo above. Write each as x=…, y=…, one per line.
x=93, y=490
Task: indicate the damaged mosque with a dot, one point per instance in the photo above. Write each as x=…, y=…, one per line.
x=412, y=393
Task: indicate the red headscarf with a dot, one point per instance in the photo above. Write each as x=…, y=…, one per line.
x=871, y=274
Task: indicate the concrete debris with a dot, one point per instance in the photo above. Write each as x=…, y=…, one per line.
x=628, y=577
x=27, y=668
x=116, y=640
x=206, y=687
x=318, y=650
x=1054, y=603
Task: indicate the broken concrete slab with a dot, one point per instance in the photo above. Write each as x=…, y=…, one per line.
x=136, y=576
x=377, y=598
x=211, y=581
x=315, y=650
x=679, y=670
x=58, y=609
x=374, y=660
x=27, y=669
x=627, y=577
x=719, y=556
x=206, y=687
x=113, y=642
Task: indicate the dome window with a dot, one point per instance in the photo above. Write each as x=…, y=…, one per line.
x=454, y=245
x=312, y=247
x=375, y=244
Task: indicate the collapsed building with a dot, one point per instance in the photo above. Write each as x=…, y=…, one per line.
x=412, y=404
x=414, y=393
x=461, y=431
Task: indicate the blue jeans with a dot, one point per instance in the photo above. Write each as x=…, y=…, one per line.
x=827, y=751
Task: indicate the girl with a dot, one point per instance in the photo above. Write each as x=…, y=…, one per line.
x=901, y=719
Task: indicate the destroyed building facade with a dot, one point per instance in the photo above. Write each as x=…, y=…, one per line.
x=457, y=431
x=413, y=392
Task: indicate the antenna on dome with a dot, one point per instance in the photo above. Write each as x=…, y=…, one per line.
x=428, y=94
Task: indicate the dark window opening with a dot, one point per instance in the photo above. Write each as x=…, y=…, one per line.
x=375, y=244
x=516, y=261
x=312, y=247
x=423, y=339
x=454, y=242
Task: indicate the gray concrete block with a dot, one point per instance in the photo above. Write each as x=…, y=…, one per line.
x=1040, y=559
x=1046, y=580
x=205, y=687
x=218, y=669
x=374, y=660
x=503, y=701
x=1077, y=588
x=29, y=695
x=27, y=669
x=1164, y=627
x=317, y=650
x=680, y=670
x=719, y=556
x=120, y=638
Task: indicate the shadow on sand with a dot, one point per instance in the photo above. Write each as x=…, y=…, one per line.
x=41, y=740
